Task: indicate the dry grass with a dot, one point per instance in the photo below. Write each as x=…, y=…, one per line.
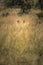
x=21, y=40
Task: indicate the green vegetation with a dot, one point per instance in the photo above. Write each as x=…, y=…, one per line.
x=40, y=15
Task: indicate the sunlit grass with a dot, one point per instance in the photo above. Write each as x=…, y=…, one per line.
x=21, y=40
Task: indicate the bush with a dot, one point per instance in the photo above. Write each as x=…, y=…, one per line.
x=19, y=3
x=40, y=14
